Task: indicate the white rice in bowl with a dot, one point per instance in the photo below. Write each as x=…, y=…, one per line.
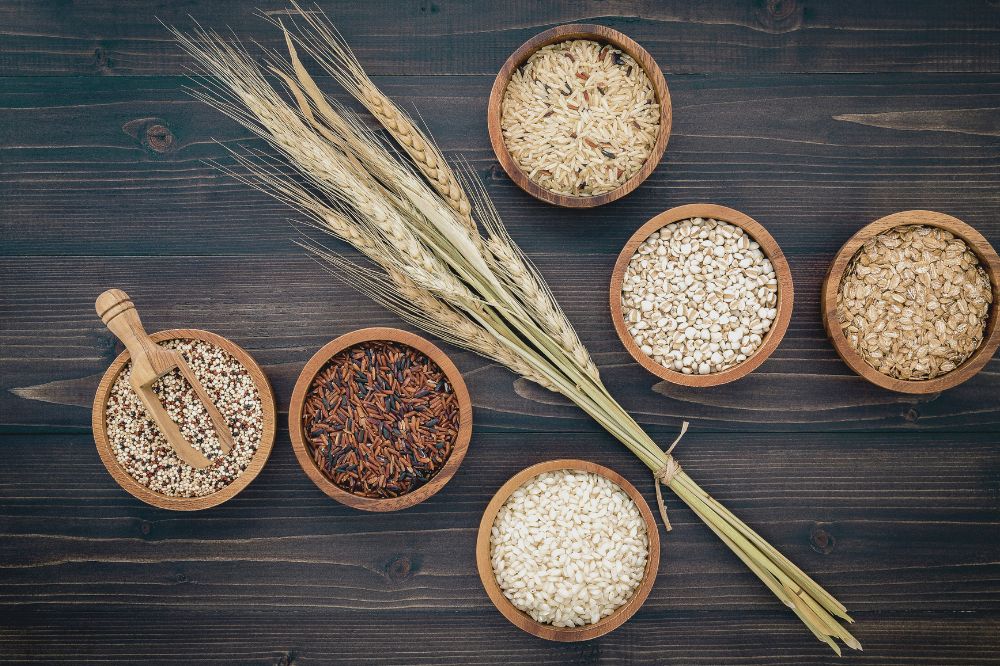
x=580, y=117
x=569, y=548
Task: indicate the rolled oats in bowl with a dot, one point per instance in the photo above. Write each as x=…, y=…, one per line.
x=914, y=302
x=580, y=117
x=699, y=296
x=141, y=449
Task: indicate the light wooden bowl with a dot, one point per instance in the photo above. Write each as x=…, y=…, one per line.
x=521, y=619
x=301, y=446
x=831, y=284
x=563, y=33
x=133, y=487
x=767, y=245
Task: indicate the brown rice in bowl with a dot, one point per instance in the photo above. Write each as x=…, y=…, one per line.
x=580, y=117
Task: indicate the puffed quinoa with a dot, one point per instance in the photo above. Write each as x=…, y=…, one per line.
x=141, y=449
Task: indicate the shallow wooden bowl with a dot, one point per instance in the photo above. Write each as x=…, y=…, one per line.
x=562, y=33
x=767, y=245
x=521, y=619
x=301, y=447
x=143, y=493
x=828, y=302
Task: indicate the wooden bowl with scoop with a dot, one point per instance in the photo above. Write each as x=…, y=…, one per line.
x=149, y=362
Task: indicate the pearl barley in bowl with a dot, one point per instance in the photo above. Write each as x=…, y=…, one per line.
x=701, y=295
x=567, y=550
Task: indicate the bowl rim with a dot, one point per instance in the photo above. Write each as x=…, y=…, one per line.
x=831, y=283
x=149, y=496
x=564, y=33
x=352, y=339
x=521, y=619
x=770, y=248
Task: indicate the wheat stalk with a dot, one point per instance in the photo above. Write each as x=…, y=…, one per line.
x=434, y=267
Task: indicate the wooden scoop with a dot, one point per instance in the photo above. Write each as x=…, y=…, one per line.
x=150, y=361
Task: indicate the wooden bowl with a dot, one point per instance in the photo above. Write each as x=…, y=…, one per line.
x=301, y=447
x=136, y=489
x=521, y=619
x=598, y=33
x=831, y=284
x=767, y=245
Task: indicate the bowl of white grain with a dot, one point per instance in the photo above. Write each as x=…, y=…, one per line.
x=579, y=115
x=701, y=295
x=567, y=550
x=910, y=302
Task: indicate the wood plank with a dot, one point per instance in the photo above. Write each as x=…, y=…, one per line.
x=452, y=37
x=283, y=636
x=865, y=514
x=813, y=158
x=282, y=309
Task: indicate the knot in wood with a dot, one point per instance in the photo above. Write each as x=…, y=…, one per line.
x=159, y=138
x=821, y=541
x=399, y=568
x=151, y=133
x=780, y=15
x=102, y=61
x=781, y=9
x=496, y=172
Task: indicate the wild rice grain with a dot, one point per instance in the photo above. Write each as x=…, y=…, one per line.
x=569, y=548
x=580, y=117
x=381, y=419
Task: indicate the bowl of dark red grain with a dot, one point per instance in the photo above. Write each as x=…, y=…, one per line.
x=380, y=419
x=579, y=115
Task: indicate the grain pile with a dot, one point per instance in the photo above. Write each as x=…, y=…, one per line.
x=914, y=302
x=381, y=419
x=143, y=452
x=569, y=548
x=699, y=296
x=580, y=117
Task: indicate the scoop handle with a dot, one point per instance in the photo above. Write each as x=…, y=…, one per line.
x=149, y=361
x=118, y=313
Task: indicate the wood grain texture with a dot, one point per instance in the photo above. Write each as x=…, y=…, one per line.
x=831, y=286
x=561, y=34
x=454, y=37
x=772, y=338
x=865, y=514
x=522, y=620
x=766, y=145
x=301, y=391
x=283, y=318
x=812, y=117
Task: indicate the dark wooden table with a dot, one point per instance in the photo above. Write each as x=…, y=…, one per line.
x=813, y=117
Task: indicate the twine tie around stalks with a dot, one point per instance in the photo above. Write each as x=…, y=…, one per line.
x=665, y=474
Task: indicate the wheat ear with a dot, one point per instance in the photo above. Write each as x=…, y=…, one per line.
x=325, y=45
